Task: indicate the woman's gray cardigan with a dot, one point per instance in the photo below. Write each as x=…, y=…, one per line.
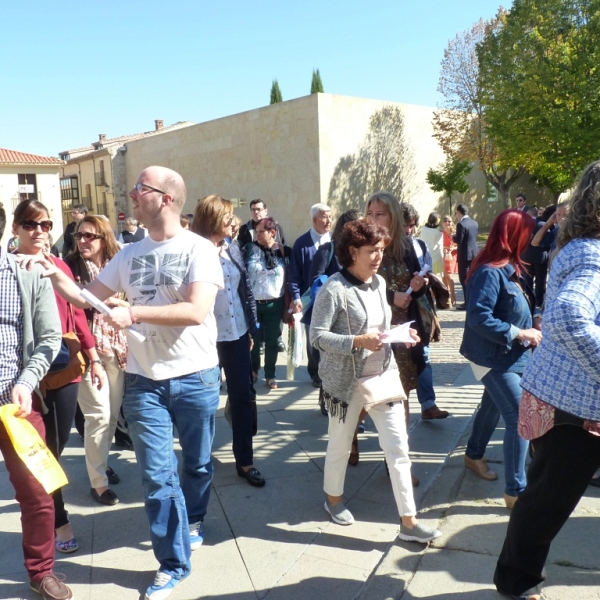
x=42, y=332
x=329, y=334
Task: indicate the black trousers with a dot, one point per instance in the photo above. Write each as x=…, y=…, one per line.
x=564, y=461
x=61, y=405
x=536, y=275
x=234, y=359
x=312, y=354
x=463, y=269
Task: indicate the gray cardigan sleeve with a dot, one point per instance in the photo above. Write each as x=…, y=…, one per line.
x=328, y=307
x=42, y=342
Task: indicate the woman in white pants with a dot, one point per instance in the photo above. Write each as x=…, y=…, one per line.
x=349, y=315
x=95, y=246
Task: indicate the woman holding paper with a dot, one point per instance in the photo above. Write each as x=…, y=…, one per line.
x=95, y=246
x=32, y=224
x=350, y=316
x=497, y=340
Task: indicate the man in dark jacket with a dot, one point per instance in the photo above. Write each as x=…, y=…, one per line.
x=258, y=210
x=78, y=212
x=466, y=239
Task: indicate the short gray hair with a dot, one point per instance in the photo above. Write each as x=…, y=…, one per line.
x=131, y=221
x=316, y=209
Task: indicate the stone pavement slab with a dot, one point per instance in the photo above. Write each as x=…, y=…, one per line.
x=277, y=542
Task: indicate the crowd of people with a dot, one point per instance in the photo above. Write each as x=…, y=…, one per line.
x=204, y=294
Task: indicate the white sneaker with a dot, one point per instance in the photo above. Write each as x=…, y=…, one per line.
x=162, y=587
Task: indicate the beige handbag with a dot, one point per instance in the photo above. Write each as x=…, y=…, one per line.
x=377, y=389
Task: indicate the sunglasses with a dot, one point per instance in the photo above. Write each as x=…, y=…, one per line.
x=31, y=225
x=87, y=236
x=140, y=186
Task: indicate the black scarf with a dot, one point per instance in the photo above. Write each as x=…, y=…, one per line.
x=271, y=255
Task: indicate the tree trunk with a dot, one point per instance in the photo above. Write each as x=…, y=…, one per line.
x=503, y=195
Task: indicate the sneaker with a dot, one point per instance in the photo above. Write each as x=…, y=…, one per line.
x=162, y=587
x=419, y=533
x=196, y=535
x=339, y=513
x=52, y=587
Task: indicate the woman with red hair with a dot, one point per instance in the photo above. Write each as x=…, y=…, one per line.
x=497, y=340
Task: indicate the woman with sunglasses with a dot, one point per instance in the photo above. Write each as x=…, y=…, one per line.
x=235, y=313
x=32, y=225
x=95, y=245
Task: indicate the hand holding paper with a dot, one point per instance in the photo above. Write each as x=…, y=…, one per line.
x=105, y=310
x=398, y=335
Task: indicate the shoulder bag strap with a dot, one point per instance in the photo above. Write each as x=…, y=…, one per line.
x=349, y=330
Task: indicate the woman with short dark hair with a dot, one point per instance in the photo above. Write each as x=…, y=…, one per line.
x=349, y=317
x=235, y=313
x=266, y=261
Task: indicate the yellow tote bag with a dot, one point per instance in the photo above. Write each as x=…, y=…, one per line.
x=32, y=450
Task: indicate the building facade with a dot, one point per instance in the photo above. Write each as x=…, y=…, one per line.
x=26, y=176
x=94, y=175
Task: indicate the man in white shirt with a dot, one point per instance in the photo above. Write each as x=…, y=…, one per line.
x=171, y=279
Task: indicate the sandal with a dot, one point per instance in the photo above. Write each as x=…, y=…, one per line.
x=272, y=384
x=66, y=547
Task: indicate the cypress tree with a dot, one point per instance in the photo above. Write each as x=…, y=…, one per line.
x=316, y=85
x=275, y=92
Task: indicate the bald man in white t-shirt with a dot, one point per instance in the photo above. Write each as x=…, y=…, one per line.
x=171, y=279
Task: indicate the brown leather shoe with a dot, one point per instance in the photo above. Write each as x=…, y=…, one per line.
x=52, y=588
x=510, y=501
x=479, y=467
x=434, y=413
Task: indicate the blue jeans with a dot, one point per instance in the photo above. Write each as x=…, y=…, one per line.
x=151, y=409
x=425, y=391
x=502, y=396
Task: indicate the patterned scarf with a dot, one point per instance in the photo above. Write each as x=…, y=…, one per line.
x=109, y=341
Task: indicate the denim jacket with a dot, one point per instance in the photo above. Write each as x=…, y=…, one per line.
x=497, y=310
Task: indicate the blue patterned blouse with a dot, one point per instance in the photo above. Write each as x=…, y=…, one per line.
x=564, y=370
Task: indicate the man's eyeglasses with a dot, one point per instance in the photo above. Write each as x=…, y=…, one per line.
x=140, y=186
x=87, y=236
x=31, y=225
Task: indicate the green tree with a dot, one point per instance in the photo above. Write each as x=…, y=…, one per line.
x=460, y=124
x=275, y=92
x=450, y=178
x=316, y=85
x=540, y=82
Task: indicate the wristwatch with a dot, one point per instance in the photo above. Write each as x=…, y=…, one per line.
x=98, y=362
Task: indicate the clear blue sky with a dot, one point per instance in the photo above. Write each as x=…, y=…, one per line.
x=73, y=69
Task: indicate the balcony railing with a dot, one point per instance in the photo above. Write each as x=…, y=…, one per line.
x=100, y=178
x=87, y=201
x=103, y=209
x=20, y=197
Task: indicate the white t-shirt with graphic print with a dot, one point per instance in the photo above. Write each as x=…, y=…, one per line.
x=158, y=274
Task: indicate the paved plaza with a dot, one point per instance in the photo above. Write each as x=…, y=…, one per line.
x=278, y=543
